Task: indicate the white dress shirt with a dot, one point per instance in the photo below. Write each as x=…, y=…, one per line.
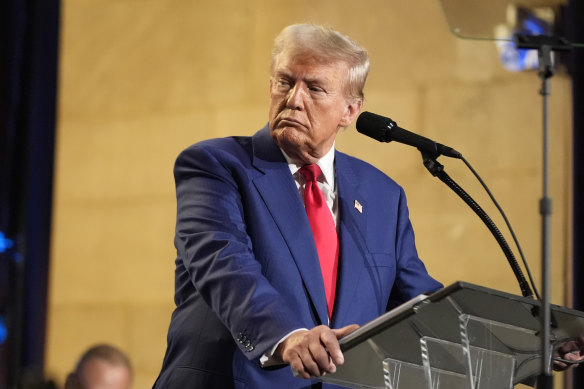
x=326, y=181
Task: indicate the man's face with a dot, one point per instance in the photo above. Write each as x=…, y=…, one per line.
x=308, y=105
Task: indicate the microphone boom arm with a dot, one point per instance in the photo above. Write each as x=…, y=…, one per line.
x=437, y=170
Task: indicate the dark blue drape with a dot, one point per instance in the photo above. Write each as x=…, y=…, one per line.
x=29, y=36
x=575, y=28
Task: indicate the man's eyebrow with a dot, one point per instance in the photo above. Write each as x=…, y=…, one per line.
x=282, y=73
x=307, y=79
x=315, y=80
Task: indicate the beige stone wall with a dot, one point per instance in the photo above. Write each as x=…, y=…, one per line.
x=141, y=80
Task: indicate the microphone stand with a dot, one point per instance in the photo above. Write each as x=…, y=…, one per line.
x=545, y=45
x=545, y=379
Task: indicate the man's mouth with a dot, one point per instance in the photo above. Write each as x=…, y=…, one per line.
x=291, y=122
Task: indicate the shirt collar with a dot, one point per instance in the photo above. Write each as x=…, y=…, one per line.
x=326, y=165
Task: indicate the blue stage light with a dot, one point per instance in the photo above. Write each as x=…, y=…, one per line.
x=527, y=23
x=5, y=243
x=3, y=331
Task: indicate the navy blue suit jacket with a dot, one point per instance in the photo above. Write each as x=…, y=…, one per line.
x=247, y=270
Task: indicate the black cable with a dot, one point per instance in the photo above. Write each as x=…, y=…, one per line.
x=523, y=260
x=437, y=170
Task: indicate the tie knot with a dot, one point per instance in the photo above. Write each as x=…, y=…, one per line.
x=310, y=172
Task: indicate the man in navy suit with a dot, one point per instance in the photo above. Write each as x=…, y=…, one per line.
x=252, y=292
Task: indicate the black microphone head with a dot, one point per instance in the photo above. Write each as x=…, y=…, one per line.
x=375, y=126
x=384, y=129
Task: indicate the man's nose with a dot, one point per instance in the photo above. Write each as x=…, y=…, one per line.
x=295, y=99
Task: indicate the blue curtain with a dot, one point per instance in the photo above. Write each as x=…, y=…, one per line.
x=575, y=29
x=29, y=36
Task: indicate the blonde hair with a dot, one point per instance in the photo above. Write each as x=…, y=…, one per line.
x=325, y=44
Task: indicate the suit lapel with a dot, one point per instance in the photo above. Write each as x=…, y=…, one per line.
x=353, y=215
x=280, y=194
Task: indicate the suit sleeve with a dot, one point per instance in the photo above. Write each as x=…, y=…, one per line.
x=217, y=253
x=412, y=278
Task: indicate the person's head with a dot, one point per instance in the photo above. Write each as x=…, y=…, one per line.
x=101, y=367
x=316, y=88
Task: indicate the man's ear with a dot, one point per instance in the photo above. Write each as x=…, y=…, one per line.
x=351, y=111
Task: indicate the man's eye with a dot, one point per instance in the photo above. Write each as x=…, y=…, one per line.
x=283, y=83
x=315, y=89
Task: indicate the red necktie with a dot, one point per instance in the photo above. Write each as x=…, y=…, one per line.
x=324, y=231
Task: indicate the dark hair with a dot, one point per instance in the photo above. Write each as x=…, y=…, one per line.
x=105, y=352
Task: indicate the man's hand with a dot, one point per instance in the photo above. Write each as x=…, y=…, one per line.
x=571, y=353
x=312, y=353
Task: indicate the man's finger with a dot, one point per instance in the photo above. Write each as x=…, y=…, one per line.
x=310, y=364
x=322, y=357
x=332, y=345
x=297, y=365
x=330, y=341
x=340, y=332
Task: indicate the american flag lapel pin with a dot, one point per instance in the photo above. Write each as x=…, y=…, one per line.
x=358, y=206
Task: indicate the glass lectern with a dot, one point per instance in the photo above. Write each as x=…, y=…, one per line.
x=463, y=336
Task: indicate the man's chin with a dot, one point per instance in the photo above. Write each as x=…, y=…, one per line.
x=290, y=127
x=291, y=141
x=288, y=135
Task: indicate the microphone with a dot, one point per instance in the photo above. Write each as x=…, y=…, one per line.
x=386, y=130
